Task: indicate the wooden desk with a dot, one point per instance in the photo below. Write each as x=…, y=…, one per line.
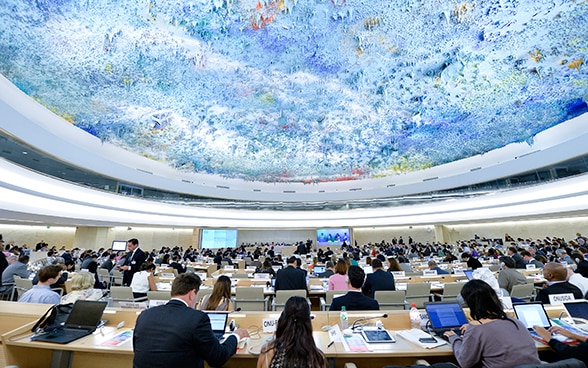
x=86, y=352
x=89, y=352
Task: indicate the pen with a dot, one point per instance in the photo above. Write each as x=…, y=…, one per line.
x=331, y=343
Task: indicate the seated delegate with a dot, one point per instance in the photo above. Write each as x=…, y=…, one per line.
x=491, y=339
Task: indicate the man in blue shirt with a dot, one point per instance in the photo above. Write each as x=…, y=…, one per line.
x=42, y=293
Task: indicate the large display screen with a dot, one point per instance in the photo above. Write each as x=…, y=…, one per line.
x=219, y=238
x=334, y=237
x=119, y=245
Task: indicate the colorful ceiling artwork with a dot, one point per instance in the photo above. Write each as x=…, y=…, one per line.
x=302, y=91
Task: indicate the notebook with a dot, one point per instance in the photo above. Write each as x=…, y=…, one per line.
x=82, y=321
x=445, y=316
x=218, y=322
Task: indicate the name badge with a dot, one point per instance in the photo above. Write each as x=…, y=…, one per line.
x=270, y=325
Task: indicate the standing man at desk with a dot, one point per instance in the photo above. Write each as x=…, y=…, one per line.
x=177, y=335
x=133, y=261
x=291, y=278
x=354, y=299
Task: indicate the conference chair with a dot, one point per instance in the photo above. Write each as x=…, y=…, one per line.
x=8, y=294
x=390, y=299
x=251, y=299
x=211, y=269
x=21, y=286
x=328, y=299
x=116, y=278
x=282, y=297
x=158, y=297
x=524, y=292
x=418, y=293
x=104, y=276
x=450, y=291
x=202, y=293
x=123, y=294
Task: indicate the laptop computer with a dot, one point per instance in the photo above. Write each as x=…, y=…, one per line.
x=577, y=309
x=445, y=316
x=218, y=323
x=82, y=321
x=468, y=273
x=532, y=314
x=319, y=269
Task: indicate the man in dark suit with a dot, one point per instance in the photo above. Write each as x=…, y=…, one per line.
x=176, y=264
x=291, y=278
x=133, y=260
x=556, y=276
x=354, y=299
x=378, y=280
x=177, y=335
x=330, y=271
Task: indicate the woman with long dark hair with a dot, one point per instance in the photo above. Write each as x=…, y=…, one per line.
x=220, y=298
x=294, y=345
x=491, y=339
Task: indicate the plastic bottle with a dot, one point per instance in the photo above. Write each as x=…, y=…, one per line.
x=415, y=317
x=344, y=318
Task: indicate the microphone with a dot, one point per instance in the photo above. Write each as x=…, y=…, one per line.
x=365, y=319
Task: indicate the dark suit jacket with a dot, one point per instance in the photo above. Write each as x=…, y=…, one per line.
x=559, y=288
x=290, y=278
x=354, y=300
x=379, y=280
x=139, y=257
x=173, y=335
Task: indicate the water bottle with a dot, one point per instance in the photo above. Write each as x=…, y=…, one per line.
x=344, y=318
x=415, y=317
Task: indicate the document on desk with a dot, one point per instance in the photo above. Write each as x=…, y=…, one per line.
x=354, y=343
x=119, y=339
x=415, y=334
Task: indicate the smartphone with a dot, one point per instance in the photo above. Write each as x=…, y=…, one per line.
x=428, y=340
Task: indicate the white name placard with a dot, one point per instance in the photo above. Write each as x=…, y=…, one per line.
x=270, y=325
x=561, y=298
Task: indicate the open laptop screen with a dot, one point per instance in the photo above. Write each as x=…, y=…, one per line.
x=85, y=314
x=468, y=273
x=577, y=309
x=218, y=321
x=319, y=269
x=532, y=314
x=445, y=315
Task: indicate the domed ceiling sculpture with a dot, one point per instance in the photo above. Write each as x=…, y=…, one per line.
x=302, y=91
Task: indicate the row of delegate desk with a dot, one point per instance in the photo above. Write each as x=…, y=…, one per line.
x=92, y=351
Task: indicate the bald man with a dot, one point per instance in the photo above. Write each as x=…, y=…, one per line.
x=556, y=276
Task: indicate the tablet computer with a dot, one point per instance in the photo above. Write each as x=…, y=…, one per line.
x=377, y=336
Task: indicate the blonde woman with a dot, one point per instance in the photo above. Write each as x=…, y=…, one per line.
x=82, y=285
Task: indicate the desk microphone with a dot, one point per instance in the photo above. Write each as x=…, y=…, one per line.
x=365, y=319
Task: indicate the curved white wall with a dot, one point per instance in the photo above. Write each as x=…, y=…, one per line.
x=32, y=198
